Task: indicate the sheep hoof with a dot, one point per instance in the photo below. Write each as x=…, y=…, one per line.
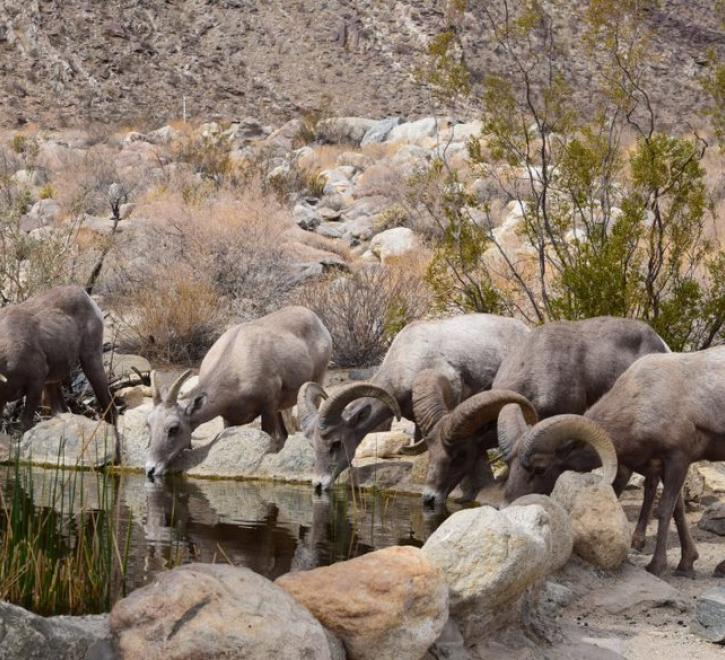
x=681, y=571
x=656, y=568
x=638, y=543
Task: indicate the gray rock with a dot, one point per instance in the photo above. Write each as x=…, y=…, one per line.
x=709, y=620
x=489, y=560
x=380, y=130
x=69, y=440
x=601, y=530
x=42, y=214
x=635, y=591
x=561, y=538
x=213, y=611
x=296, y=460
x=414, y=132
x=32, y=637
x=394, y=243
x=713, y=519
x=337, y=130
x=306, y=216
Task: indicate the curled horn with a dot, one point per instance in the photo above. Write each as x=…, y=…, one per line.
x=483, y=408
x=155, y=391
x=511, y=426
x=550, y=433
x=331, y=410
x=173, y=393
x=308, y=399
x=433, y=398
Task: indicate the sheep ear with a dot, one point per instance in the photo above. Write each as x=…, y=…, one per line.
x=196, y=404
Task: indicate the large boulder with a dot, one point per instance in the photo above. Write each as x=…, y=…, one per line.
x=27, y=635
x=215, y=611
x=419, y=131
x=561, y=539
x=380, y=130
x=489, y=558
x=394, y=243
x=601, y=531
x=349, y=130
x=709, y=620
x=389, y=604
x=69, y=440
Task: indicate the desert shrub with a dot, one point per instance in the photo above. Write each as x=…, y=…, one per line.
x=209, y=157
x=365, y=310
x=32, y=262
x=176, y=315
x=232, y=247
x=90, y=183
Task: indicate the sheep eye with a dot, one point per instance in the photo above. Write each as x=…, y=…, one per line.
x=173, y=430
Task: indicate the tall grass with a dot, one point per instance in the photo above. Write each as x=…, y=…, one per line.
x=61, y=554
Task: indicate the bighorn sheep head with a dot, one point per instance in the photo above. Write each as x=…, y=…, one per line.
x=449, y=430
x=170, y=423
x=336, y=424
x=538, y=455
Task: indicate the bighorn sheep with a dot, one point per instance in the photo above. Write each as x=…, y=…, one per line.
x=467, y=350
x=254, y=368
x=41, y=340
x=560, y=367
x=662, y=414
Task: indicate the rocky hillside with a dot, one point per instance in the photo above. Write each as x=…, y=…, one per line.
x=71, y=61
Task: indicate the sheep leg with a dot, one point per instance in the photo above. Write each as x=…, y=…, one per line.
x=689, y=551
x=92, y=365
x=673, y=479
x=54, y=395
x=645, y=513
x=33, y=398
x=273, y=424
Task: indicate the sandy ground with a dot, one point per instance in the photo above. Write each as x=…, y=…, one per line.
x=625, y=613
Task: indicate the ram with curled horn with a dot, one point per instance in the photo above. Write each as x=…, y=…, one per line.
x=663, y=413
x=459, y=433
x=557, y=368
x=468, y=349
x=254, y=369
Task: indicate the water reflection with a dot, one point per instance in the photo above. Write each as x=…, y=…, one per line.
x=267, y=527
x=270, y=528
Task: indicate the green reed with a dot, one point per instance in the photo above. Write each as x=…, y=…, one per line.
x=59, y=553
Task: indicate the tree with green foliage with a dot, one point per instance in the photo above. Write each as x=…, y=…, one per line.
x=613, y=210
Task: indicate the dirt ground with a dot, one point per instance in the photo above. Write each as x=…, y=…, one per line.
x=588, y=614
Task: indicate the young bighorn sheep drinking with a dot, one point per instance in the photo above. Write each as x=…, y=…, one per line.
x=561, y=367
x=466, y=349
x=254, y=368
x=664, y=413
x=41, y=340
